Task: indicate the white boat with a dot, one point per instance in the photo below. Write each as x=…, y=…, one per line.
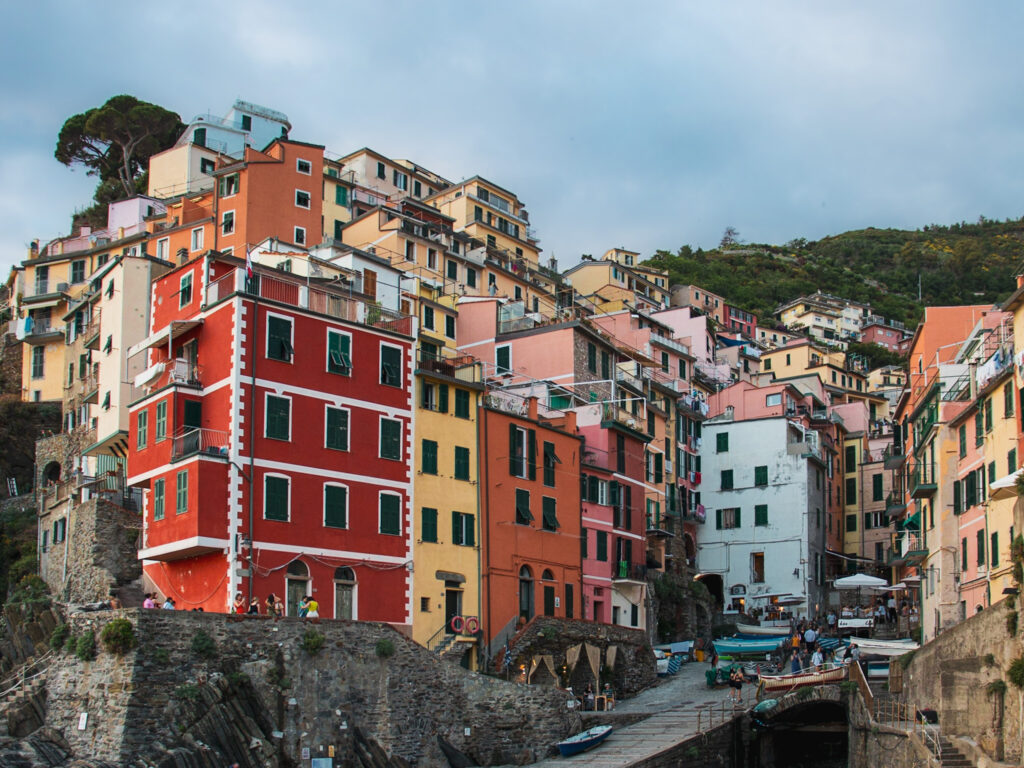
x=757, y=629
x=801, y=679
x=884, y=647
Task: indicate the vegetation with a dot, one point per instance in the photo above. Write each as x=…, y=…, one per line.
x=85, y=646
x=989, y=659
x=276, y=678
x=1011, y=623
x=875, y=355
x=114, y=142
x=995, y=688
x=118, y=636
x=203, y=645
x=31, y=591
x=312, y=642
x=1016, y=672
x=905, y=659
x=958, y=264
x=160, y=655
x=187, y=692
x=384, y=648
x=59, y=636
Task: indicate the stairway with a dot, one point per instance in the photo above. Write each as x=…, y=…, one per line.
x=951, y=757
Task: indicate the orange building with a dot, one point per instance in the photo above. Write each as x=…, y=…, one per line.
x=530, y=515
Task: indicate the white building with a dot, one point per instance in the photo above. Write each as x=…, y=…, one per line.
x=765, y=489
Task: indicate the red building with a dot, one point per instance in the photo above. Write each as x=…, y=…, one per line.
x=271, y=433
x=530, y=514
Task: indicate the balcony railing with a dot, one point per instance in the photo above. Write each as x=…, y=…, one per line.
x=924, y=423
x=893, y=456
x=623, y=570
x=694, y=404
x=461, y=367
x=922, y=479
x=666, y=380
x=895, y=504
x=613, y=414
x=909, y=549
x=598, y=457
x=198, y=440
x=630, y=380
x=667, y=343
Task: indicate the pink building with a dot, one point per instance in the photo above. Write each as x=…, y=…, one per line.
x=894, y=339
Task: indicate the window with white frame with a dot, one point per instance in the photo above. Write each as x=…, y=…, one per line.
x=197, y=239
x=335, y=506
x=276, y=497
x=163, y=248
x=227, y=222
x=300, y=236
x=301, y=198
x=185, y=291
x=304, y=166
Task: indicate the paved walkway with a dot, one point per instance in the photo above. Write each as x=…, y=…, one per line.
x=680, y=707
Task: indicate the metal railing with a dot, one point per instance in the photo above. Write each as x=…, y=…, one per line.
x=626, y=570
x=668, y=343
x=199, y=440
x=462, y=367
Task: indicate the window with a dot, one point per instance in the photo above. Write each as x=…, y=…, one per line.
x=428, y=318
x=602, y=545
x=207, y=166
x=1007, y=404
x=988, y=415
x=335, y=506
x=876, y=487
x=761, y=475
x=38, y=360
x=163, y=248
x=428, y=524
x=503, y=358
x=962, y=432
x=390, y=514
x=449, y=326
x=463, y=529
x=726, y=479
x=161, y=421
x=228, y=185
x=722, y=442
x=606, y=365
x=591, y=357
x=181, y=498
x=761, y=514
x=158, y=499
x=417, y=189
x=227, y=222
x=461, y=463
x=462, y=403
x=771, y=400
x=523, y=514
x=339, y=353
x=757, y=567
x=851, y=490
x=428, y=457
x=197, y=239
x=550, y=518
x=78, y=271
x=246, y=122
x=390, y=365
x=381, y=171
x=304, y=167
x=432, y=259
x=851, y=458
x=550, y=459
x=391, y=439
x=452, y=269
x=336, y=428
x=522, y=452
x=1011, y=461
x=400, y=179
x=279, y=338
x=300, y=236
x=963, y=554
x=979, y=426
x=727, y=518
x=981, y=546
x=341, y=195
x=108, y=345
x=185, y=290
x=993, y=550
x=958, y=502
x=851, y=523
x=991, y=472
x=277, y=420
x=470, y=277
x=141, y=429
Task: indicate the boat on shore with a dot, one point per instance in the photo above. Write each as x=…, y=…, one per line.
x=883, y=647
x=757, y=629
x=738, y=646
x=800, y=679
x=581, y=742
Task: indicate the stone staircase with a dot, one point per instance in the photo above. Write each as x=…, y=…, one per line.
x=951, y=757
x=23, y=699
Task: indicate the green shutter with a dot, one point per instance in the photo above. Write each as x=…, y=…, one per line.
x=761, y=514
x=761, y=475
x=877, y=493
x=602, y=545
x=428, y=524
x=503, y=358
x=279, y=338
x=456, y=528
x=339, y=354
x=957, y=497
x=390, y=519
x=429, y=457
x=722, y=442
x=718, y=519
x=337, y=429
x=182, y=493
x=442, y=398
x=158, y=499
x=614, y=493
x=461, y=463
x=275, y=504
x=851, y=523
x=278, y=417
x=462, y=403
x=531, y=455
x=391, y=366
x=658, y=468
x=335, y=506
x=591, y=357
x=341, y=195
x=390, y=439
x=549, y=512
x=737, y=517
x=523, y=513
x=514, y=462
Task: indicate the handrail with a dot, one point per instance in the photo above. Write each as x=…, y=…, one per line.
x=862, y=685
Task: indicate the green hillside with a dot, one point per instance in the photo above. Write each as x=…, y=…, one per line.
x=958, y=264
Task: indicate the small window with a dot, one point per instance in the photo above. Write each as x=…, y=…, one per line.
x=523, y=514
x=771, y=400
x=449, y=326
x=726, y=479
x=463, y=529
x=277, y=424
x=390, y=514
x=462, y=403
x=301, y=199
x=300, y=236
x=185, y=291
x=158, y=499
x=279, y=338
x=181, y=499
x=390, y=365
x=428, y=457
x=229, y=185
x=760, y=514
x=335, y=506
x=276, y=497
x=550, y=518
x=336, y=429
x=161, y=421
x=461, y=463
x=304, y=167
x=227, y=222
x=722, y=442
x=339, y=353
x=428, y=318
x=761, y=475
x=503, y=358
x=197, y=239
x=428, y=524
x=141, y=429
x=727, y=518
x=391, y=439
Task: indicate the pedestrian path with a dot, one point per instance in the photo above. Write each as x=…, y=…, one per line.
x=681, y=707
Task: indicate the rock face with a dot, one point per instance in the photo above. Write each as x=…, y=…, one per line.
x=204, y=690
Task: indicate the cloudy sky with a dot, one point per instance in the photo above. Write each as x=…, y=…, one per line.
x=645, y=125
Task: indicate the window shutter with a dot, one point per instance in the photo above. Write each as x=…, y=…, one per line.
x=469, y=530
x=614, y=495
x=512, y=449
x=335, y=503
x=737, y=517
x=718, y=519
x=957, y=500
x=592, y=490
x=429, y=524
x=583, y=488
x=456, y=528
x=442, y=398
x=658, y=467
x=532, y=454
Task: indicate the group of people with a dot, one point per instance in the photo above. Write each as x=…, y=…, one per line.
x=274, y=606
x=588, y=701
x=151, y=600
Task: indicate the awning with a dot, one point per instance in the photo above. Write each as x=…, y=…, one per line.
x=29, y=304
x=449, y=576
x=1005, y=487
x=173, y=330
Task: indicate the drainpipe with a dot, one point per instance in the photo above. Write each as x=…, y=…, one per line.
x=252, y=424
x=479, y=518
x=485, y=511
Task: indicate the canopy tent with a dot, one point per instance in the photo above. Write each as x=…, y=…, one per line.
x=858, y=580
x=1005, y=487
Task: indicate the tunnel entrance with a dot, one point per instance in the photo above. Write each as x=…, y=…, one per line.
x=810, y=735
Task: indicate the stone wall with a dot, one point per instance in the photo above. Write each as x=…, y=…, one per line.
x=951, y=673
x=103, y=550
x=634, y=670
x=11, y=351
x=725, y=746
x=261, y=699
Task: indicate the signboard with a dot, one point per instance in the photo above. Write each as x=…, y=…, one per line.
x=83, y=720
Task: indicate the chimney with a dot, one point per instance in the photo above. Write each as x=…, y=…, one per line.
x=531, y=405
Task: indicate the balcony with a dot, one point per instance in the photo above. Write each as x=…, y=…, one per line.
x=667, y=343
x=598, y=458
x=623, y=570
x=43, y=332
x=894, y=457
x=613, y=416
x=694, y=405
x=922, y=480
x=212, y=442
x=630, y=380
x=908, y=550
x=91, y=334
x=895, y=504
x=663, y=379
x=806, y=449
x=924, y=423
x=461, y=368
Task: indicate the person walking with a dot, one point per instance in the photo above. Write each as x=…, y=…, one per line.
x=794, y=662
x=736, y=684
x=817, y=659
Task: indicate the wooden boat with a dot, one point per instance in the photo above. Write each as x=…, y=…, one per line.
x=884, y=647
x=737, y=646
x=581, y=742
x=757, y=629
x=801, y=679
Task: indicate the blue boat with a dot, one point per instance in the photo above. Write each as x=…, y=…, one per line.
x=737, y=646
x=581, y=742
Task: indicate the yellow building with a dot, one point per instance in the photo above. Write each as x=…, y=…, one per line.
x=841, y=381
x=446, y=554
x=339, y=189
x=609, y=284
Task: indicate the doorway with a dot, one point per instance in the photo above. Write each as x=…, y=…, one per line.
x=452, y=607
x=549, y=592
x=344, y=593
x=526, y=607
x=296, y=586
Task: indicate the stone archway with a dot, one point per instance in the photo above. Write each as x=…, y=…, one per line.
x=715, y=585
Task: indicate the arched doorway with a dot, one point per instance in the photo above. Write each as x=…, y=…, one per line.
x=344, y=593
x=713, y=582
x=691, y=550
x=296, y=585
x=51, y=473
x=526, y=607
x=549, y=592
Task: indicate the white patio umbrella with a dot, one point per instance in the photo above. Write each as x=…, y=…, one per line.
x=859, y=580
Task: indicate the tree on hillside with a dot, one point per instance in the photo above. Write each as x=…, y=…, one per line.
x=875, y=355
x=731, y=236
x=21, y=424
x=116, y=140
